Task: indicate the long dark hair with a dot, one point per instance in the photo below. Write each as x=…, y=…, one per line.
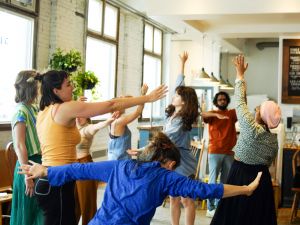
x=189, y=112
x=161, y=149
x=26, y=86
x=50, y=80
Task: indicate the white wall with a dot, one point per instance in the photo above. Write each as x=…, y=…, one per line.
x=262, y=73
x=59, y=26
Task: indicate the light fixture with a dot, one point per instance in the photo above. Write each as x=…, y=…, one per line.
x=229, y=86
x=203, y=75
x=214, y=80
x=223, y=84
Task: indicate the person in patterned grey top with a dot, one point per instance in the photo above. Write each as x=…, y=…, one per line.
x=256, y=149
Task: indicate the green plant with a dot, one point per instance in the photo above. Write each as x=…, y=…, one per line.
x=83, y=80
x=69, y=61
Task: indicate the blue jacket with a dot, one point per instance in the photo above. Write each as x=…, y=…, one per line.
x=134, y=189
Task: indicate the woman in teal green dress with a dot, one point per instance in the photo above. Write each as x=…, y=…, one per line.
x=25, y=210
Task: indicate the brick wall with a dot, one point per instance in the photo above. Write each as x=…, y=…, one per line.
x=59, y=26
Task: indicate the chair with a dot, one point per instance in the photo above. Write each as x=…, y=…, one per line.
x=11, y=158
x=5, y=182
x=295, y=164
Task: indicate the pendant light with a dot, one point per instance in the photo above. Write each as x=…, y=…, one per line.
x=203, y=75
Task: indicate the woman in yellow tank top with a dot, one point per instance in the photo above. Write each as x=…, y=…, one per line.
x=58, y=135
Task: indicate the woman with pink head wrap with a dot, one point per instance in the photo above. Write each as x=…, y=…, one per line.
x=255, y=150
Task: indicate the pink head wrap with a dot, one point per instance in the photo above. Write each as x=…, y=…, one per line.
x=270, y=114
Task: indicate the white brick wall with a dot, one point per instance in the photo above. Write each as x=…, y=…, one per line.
x=129, y=76
x=58, y=26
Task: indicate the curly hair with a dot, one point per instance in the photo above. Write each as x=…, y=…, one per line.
x=189, y=112
x=215, y=101
x=161, y=149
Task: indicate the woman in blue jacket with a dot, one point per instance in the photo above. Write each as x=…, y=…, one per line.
x=136, y=188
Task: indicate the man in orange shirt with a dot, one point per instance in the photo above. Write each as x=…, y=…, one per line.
x=222, y=139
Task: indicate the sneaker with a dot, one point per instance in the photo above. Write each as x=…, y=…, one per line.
x=210, y=213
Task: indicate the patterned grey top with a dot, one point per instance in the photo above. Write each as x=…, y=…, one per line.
x=255, y=145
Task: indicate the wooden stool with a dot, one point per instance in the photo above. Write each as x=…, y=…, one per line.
x=3, y=200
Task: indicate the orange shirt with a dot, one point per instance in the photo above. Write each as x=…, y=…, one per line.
x=58, y=142
x=222, y=133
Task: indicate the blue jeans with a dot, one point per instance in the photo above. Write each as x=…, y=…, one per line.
x=218, y=163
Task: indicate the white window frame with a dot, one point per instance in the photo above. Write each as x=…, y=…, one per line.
x=28, y=64
x=99, y=34
x=153, y=109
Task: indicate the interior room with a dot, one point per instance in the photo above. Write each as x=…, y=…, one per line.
x=110, y=48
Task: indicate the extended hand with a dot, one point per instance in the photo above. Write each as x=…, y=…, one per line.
x=157, y=93
x=254, y=184
x=34, y=171
x=221, y=117
x=144, y=89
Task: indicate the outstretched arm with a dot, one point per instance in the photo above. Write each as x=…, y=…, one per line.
x=92, y=129
x=206, y=115
x=73, y=109
x=178, y=185
x=59, y=175
x=126, y=119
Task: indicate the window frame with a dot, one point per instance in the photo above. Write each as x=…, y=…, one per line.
x=5, y=125
x=154, y=55
x=105, y=38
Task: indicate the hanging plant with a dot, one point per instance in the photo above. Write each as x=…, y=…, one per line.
x=69, y=61
x=83, y=80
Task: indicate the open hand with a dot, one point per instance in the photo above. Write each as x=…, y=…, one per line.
x=184, y=56
x=157, y=93
x=240, y=66
x=221, y=117
x=144, y=89
x=33, y=171
x=254, y=184
x=29, y=189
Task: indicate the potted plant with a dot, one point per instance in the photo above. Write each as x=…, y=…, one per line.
x=84, y=80
x=69, y=61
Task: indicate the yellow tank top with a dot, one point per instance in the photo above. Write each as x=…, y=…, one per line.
x=58, y=142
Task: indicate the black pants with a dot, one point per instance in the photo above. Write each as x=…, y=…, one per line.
x=57, y=203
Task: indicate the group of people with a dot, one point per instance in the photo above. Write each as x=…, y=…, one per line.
x=44, y=192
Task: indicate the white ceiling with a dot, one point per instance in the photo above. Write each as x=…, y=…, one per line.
x=230, y=22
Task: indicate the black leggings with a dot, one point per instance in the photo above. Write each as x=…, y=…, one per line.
x=57, y=203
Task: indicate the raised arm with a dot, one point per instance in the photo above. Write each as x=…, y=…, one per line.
x=245, y=118
x=180, y=79
x=59, y=175
x=126, y=119
x=92, y=129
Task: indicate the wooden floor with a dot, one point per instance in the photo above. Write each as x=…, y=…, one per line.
x=162, y=215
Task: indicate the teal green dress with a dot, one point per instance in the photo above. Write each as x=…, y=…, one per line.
x=25, y=210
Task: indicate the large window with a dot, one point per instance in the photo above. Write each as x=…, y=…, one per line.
x=16, y=54
x=101, y=46
x=152, y=67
